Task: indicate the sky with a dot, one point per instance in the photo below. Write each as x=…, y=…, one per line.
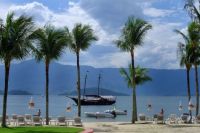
x=107, y=18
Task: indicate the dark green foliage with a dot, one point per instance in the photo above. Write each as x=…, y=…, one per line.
x=140, y=75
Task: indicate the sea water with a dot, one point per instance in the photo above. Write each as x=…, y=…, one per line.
x=18, y=104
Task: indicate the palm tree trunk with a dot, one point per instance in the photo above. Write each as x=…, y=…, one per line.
x=47, y=91
x=134, y=102
x=188, y=87
x=78, y=85
x=197, y=90
x=7, y=69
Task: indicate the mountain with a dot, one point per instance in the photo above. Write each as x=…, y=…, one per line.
x=92, y=91
x=29, y=76
x=19, y=92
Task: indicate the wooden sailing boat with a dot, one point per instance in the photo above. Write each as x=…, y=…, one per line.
x=94, y=99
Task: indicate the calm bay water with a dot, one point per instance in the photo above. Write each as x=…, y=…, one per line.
x=58, y=104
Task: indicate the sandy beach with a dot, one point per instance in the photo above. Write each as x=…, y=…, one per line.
x=124, y=127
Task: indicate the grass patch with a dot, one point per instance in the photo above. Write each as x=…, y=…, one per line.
x=41, y=130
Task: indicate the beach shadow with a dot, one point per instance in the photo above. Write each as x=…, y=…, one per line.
x=125, y=124
x=101, y=130
x=105, y=125
x=105, y=128
x=181, y=126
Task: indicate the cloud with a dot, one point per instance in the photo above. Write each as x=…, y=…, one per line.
x=38, y=11
x=160, y=46
x=107, y=18
x=74, y=14
x=3, y=10
x=112, y=14
x=154, y=12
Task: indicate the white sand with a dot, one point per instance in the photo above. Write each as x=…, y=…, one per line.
x=123, y=127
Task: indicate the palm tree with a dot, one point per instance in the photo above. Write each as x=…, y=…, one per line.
x=189, y=53
x=132, y=36
x=196, y=62
x=195, y=15
x=140, y=76
x=194, y=30
x=50, y=44
x=15, y=44
x=81, y=38
x=183, y=54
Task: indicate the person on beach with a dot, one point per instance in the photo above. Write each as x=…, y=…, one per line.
x=162, y=112
x=114, y=113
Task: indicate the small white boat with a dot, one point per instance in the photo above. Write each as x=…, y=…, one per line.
x=99, y=114
x=117, y=112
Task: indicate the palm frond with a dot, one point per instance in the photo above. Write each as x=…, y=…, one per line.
x=186, y=39
x=50, y=42
x=133, y=33
x=181, y=53
x=15, y=40
x=81, y=37
x=141, y=75
x=192, y=10
x=126, y=76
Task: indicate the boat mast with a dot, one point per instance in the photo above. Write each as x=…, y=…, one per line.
x=99, y=82
x=85, y=83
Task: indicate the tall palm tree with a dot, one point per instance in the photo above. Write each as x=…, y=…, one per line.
x=194, y=30
x=14, y=45
x=50, y=43
x=132, y=36
x=140, y=76
x=183, y=54
x=81, y=38
x=195, y=15
x=190, y=54
x=196, y=63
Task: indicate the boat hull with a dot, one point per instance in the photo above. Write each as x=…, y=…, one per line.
x=85, y=102
x=99, y=115
x=117, y=112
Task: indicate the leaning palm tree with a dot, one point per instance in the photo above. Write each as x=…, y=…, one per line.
x=15, y=44
x=49, y=45
x=189, y=53
x=81, y=38
x=140, y=76
x=132, y=36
